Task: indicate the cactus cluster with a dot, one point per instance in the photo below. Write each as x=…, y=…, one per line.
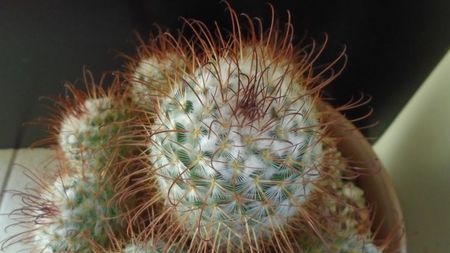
x=212, y=144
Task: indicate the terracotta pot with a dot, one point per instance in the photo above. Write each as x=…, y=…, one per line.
x=388, y=224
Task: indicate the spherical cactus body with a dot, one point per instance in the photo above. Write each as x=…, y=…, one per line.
x=238, y=146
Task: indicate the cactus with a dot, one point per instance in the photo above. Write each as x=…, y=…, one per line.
x=86, y=138
x=148, y=247
x=72, y=214
x=348, y=245
x=94, y=137
x=218, y=143
x=237, y=148
x=85, y=215
x=346, y=218
x=150, y=73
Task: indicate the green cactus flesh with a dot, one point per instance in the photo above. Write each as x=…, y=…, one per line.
x=237, y=146
x=84, y=217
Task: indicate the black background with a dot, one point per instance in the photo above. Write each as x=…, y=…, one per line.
x=391, y=46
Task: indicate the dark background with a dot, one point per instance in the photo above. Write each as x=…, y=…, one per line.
x=391, y=47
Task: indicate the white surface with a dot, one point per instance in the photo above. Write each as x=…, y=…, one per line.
x=5, y=158
x=416, y=152
x=36, y=160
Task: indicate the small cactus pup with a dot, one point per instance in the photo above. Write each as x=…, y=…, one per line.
x=151, y=246
x=71, y=213
x=239, y=146
x=100, y=132
x=154, y=68
x=78, y=209
x=88, y=130
x=345, y=215
x=85, y=219
x=348, y=245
